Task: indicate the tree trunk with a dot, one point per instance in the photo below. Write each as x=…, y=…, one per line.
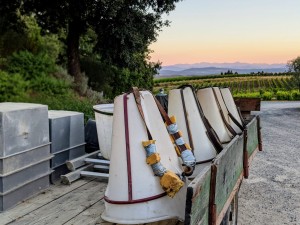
x=73, y=54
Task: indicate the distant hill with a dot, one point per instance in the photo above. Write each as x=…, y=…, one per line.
x=216, y=68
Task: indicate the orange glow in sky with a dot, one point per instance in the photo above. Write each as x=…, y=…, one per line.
x=256, y=31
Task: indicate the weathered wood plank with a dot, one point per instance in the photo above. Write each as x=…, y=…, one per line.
x=197, y=201
x=80, y=161
x=90, y=216
x=75, y=175
x=252, y=139
x=68, y=206
x=229, y=165
x=248, y=104
x=229, y=200
x=36, y=202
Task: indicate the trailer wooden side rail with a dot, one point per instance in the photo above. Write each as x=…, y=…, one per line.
x=211, y=193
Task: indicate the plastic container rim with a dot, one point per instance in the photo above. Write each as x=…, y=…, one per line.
x=103, y=109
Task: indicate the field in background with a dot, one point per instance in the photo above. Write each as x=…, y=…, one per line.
x=267, y=87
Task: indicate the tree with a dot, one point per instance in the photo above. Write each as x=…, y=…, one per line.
x=9, y=18
x=124, y=28
x=11, y=27
x=294, y=66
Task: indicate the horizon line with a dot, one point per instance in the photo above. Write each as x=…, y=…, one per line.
x=223, y=63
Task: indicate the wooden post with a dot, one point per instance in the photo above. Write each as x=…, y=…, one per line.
x=246, y=156
x=259, y=134
x=212, y=205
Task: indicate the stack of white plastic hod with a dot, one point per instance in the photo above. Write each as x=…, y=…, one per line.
x=104, y=123
x=24, y=152
x=67, y=139
x=211, y=108
x=231, y=108
x=183, y=105
x=133, y=193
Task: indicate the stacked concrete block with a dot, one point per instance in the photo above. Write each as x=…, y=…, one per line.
x=24, y=152
x=67, y=139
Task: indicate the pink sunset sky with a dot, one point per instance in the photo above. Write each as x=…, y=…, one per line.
x=256, y=31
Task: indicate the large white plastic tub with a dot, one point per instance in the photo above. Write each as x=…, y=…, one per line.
x=211, y=111
x=231, y=106
x=144, y=184
x=203, y=148
x=104, y=121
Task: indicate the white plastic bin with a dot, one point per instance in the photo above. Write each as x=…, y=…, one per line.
x=129, y=174
x=231, y=106
x=211, y=111
x=104, y=121
x=203, y=148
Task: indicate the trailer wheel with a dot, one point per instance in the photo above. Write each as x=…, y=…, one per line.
x=231, y=216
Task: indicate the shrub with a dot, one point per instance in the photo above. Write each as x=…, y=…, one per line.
x=267, y=95
x=65, y=102
x=284, y=95
x=30, y=66
x=99, y=74
x=247, y=95
x=295, y=95
x=50, y=85
x=12, y=86
x=62, y=74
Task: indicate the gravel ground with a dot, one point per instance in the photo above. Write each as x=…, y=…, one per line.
x=271, y=195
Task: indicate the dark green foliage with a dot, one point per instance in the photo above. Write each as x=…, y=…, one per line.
x=65, y=102
x=50, y=86
x=9, y=18
x=113, y=81
x=284, y=95
x=267, y=95
x=229, y=72
x=29, y=39
x=295, y=95
x=30, y=66
x=12, y=86
x=294, y=66
x=121, y=80
x=11, y=41
x=99, y=74
x=123, y=29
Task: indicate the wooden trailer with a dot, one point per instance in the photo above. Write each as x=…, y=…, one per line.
x=212, y=196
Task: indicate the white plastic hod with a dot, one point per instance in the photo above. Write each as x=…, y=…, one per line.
x=211, y=111
x=104, y=122
x=202, y=147
x=222, y=103
x=231, y=106
x=119, y=206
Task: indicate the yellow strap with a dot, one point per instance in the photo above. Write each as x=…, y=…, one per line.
x=171, y=183
x=187, y=146
x=146, y=143
x=177, y=151
x=152, y=159
x=173, y=119
x=180, y=133
x=172, y=139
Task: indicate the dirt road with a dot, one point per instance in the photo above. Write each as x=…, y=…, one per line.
x=271, y=195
